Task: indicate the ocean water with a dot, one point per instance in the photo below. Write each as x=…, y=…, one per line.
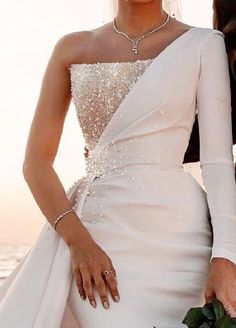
x=10, y=256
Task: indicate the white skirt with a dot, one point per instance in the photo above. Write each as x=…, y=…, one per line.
x=154, y=225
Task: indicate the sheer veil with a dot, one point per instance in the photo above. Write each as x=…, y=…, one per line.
x=172, y=7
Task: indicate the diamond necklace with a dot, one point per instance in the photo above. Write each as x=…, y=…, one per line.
x=136, y=41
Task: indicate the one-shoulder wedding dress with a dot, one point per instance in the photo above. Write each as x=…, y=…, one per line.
x=148, y=214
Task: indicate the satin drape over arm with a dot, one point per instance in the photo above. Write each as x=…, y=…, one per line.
x=216, y=144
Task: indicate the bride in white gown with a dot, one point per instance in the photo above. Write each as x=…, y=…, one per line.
x=137, y=213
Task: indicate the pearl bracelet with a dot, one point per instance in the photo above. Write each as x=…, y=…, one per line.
x=61, y=216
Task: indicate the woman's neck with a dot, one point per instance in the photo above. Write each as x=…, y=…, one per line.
x=136, y=19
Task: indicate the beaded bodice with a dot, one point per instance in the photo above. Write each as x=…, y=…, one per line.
x=97, y=91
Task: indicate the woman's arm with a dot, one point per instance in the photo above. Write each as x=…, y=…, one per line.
x=88, y=259
x=216, y=144
x=43, y=142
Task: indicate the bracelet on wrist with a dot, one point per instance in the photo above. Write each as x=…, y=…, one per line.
x=61, y=216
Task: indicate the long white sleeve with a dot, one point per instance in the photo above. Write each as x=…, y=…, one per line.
x=216, y=145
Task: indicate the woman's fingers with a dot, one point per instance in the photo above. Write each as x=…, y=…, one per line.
x=229, y=302
x=101, y=287
x=89, y=265
x=87, y=284
x=231, y=312
x=112, y=284
x=84, y=281
x=113, y=269
x=221, y=284
x=79, y=283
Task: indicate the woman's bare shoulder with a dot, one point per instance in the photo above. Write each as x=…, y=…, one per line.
x=82, y=46
x=72, y=47
x=75, y=47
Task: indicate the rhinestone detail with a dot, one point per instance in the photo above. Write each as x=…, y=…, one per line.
x=97, y=91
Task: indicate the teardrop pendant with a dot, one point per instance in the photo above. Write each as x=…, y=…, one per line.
x=135, y=47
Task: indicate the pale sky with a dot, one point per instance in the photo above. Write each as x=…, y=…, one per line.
x=29, y=31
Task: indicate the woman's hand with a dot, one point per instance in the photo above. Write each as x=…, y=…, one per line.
x=89, y=262
x=222, y=284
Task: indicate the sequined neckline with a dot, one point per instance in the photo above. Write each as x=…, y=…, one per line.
x=112, y=63
x=97, y=92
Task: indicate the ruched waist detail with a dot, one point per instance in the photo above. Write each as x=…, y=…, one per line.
x=112, y=160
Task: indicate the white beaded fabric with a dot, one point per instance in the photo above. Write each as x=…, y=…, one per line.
x=97, y=91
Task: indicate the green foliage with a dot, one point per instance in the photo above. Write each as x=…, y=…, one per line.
x=211, y=315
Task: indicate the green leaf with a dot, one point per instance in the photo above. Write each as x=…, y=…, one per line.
x=218, y=308
x=224, y=322
x=194, y=317
x=208, y=311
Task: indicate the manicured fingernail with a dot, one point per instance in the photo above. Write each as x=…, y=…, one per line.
x=82, y=296
x=93, y=304
x=117, y=298
x=106, y=305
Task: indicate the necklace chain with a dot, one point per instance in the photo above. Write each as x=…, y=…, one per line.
x=136, y=41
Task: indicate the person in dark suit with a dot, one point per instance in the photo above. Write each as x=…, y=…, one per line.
x=224, y=20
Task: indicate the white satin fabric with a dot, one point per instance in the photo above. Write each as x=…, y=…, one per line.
x=155, y=225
